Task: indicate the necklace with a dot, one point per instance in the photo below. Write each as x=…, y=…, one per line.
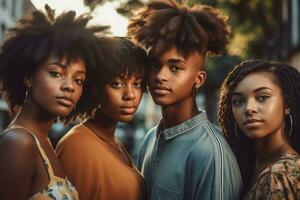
x=116, y=145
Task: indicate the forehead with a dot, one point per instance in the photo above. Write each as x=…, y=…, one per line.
x=64, y=62
x=257, y=80
x=131, y=75
x=175, y=53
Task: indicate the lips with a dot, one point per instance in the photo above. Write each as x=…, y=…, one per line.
x=128, y=110
x=160, y=90
x=252, y=123
x=65, y=101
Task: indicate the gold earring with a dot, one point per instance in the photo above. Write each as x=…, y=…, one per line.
x=235, y=130
x=291, y=125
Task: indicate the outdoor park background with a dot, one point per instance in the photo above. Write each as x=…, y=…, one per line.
x=265, y=29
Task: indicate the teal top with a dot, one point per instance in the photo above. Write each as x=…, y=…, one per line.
x=189, y=161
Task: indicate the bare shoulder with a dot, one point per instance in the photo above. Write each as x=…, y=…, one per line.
x=17, y=141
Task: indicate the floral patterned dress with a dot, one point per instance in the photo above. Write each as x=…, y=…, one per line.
x=58, y=188
x=279, y=181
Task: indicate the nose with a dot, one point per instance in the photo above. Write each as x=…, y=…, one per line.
x=129, y=93
x=68, y=85
x=162, y=74
x=251, y=107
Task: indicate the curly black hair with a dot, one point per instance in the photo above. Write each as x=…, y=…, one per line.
x=38, y=37
x=164, y=23
x=120, y=56
x=288, y=79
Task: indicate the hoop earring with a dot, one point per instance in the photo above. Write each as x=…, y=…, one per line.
x=194, y=88
x=291, y=126
x=26, y=95
x=236, y=131
x=74, y=108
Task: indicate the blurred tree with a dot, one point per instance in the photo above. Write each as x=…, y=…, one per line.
x=254, y=23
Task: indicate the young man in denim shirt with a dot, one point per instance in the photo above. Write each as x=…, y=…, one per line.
x=185, y=156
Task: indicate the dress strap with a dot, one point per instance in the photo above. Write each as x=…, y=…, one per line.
x=41, y=150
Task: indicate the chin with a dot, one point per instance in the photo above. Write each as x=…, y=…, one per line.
x=254, y=135
x=62, y=112
x=126, y=119
x=161, y=102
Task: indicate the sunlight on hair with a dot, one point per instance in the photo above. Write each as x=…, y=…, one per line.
x=105, y=14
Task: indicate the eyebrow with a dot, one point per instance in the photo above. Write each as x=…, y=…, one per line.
x=176, y=60
x=65, y=66
x=256, y=90
x=58, y=64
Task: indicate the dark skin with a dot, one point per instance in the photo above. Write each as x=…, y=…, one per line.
x=122, y=98
x=24, y=173
x=171, y=83
x=259, y=109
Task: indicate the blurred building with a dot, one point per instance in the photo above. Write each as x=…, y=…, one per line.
x=10, y=12
x=284, y=45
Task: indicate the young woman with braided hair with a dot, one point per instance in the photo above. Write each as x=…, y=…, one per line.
x=259, y=111
x=45, y=67
x=185, y=156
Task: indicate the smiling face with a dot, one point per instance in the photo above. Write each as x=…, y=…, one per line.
x=57, y=86
x=258, y=105
x=122, y=97
x=173, y=76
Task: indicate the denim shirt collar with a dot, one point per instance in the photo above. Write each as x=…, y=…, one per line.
x=179, y=129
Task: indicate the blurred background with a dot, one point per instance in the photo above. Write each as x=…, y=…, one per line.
x=266, y=29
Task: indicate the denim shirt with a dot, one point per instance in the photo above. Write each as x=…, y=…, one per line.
x=189, y=161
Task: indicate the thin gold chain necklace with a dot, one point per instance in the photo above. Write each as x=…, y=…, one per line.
x=118, y=148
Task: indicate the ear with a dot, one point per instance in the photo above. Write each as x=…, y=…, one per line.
x=200, y=79
x=28, y=81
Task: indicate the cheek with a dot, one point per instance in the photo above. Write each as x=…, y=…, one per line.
x=151, y=77
x=138, y=96
x=237, y=114
x=111, y=99
x=78, y=94
x=187, y=81
x=42, y=87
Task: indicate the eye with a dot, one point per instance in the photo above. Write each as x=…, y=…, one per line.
x=137, y=84
x=79, y=81
x=237, y=101
x=55, y=74
x=175, y=68
x=262, y=98
x=117, y=84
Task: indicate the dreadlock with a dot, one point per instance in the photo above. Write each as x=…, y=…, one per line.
x=288, y=79
x=164, y=23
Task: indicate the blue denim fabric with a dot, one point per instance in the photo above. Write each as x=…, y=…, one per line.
x=189, y=161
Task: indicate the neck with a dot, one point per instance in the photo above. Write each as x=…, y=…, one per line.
x=270, y=148
x=104, y=125
x=177, y=113
x=33, y=120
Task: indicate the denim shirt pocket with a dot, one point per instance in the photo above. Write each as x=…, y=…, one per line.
x=167, y=194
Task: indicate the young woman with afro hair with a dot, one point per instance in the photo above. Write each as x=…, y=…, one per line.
x=98, y=165
x=45, y=68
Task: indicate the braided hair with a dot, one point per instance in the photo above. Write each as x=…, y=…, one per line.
x=288, y=79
